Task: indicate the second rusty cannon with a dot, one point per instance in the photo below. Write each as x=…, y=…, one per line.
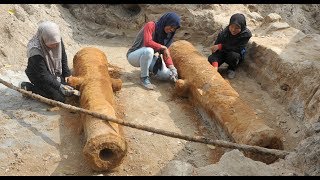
x=208, y=89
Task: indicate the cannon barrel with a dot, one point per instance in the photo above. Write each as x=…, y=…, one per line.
x=222, y=103
x=105, y=146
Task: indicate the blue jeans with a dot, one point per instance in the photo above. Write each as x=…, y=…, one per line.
x=142, y=58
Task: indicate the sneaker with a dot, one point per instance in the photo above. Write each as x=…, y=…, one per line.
x=231, y=74
x=145, y=81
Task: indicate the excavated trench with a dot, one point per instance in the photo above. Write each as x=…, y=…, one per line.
x=279, y=81
x=265, y=82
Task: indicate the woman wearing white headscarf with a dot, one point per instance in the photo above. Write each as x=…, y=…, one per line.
x=47, y=67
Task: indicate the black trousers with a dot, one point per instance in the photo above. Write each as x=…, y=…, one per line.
x=46, y=90
x=229, y=57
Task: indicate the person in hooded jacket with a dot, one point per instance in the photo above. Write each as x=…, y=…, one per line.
x=47, y=67
x=155, y=38
x=230, y=44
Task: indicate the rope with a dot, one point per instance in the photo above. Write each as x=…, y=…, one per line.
x=199, y=139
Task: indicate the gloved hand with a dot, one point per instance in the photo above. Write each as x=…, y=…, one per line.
x=66, y=90
x=174, y=74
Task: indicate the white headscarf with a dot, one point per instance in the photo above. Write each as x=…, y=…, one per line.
x=48, y=33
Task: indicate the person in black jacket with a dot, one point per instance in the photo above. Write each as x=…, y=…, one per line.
x=230, y=44
x=47, y=67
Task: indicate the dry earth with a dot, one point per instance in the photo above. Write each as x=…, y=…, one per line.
x=38, y=140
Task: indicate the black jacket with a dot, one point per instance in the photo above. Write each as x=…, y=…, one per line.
x=233, y=43
x=38, y=72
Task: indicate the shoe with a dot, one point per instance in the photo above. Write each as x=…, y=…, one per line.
x=231, y=74
x=145, y=81
x=24, y=86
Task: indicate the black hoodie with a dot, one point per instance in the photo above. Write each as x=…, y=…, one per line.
x=238, y=42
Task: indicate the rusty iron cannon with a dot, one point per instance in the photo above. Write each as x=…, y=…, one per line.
x=208, y=89
x=105, y=146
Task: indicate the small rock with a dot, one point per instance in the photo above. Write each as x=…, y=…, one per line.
x=211, y=146
x=278, y=26
x=256, y=16
x=272, y=17
x=200, y=91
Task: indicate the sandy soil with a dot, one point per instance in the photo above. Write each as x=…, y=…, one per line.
x=36, y=139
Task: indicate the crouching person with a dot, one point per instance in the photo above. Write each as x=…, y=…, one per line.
x=47, y=67
x=230, y=45
x=152, y=38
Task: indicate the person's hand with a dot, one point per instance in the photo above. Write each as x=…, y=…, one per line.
x=156, y=54
x=174, y=74
x=67, y=78
x=66, y=90
x=215, y=65
x=214, y=48
x=166, y=53
x=163, y=47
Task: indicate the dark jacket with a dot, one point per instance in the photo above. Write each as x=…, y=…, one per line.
x=38, y=72
x=233, y=43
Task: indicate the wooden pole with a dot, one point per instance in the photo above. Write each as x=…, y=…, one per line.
x=199, y=139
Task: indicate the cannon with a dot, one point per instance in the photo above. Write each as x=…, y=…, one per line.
x=105, y=146
x=208, y=89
